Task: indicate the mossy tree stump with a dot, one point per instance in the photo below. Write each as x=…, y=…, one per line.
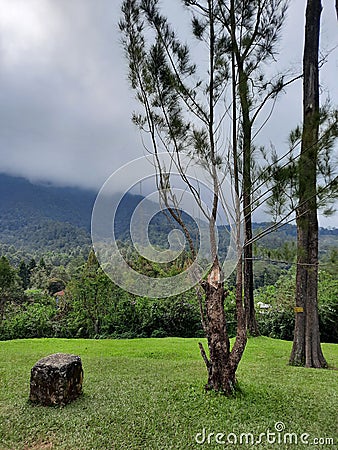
x=56, y=379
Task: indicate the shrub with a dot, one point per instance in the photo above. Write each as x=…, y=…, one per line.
x=30, y=320
x=277, y=323
x=173, y=316
x=278, y=320
x=158, y=334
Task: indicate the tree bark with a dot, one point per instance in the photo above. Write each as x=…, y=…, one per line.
x=306, y=350
x=218, y=340
x=2, y=308
x=222, y=363
x=250, y=312
x=252, y=326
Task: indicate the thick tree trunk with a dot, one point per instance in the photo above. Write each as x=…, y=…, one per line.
x=218, y=341
x=306, y=348
x=313, y=352
x=298, y=350
x=222, y=363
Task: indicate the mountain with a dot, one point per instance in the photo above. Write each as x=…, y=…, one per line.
x=39, y=218
x=25, y=202
x=36, y=218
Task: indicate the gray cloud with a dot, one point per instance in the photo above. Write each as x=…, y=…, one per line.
x=65, y=104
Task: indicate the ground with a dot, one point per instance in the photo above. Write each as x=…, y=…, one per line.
x=148, y=394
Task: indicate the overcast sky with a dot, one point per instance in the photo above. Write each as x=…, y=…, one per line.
x=65, y=103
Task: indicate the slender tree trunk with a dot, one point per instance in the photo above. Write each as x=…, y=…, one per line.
x=252, y=326
x=2, y=308
x=97, y=326
x=250, y=313
x=222, y=363
x=306, y=348
x=241, y=334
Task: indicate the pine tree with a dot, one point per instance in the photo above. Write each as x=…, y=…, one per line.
x=181, y=114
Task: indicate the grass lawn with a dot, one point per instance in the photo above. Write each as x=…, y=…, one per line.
x=148, y=394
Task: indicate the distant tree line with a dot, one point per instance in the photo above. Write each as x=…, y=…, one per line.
x=38, y=299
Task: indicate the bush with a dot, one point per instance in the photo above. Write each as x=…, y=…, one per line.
x=328, y=307
x=328, y=320
x=278, y=320
x=276, y=323
x=30, y=320
x=173, y=316
x=158, y=334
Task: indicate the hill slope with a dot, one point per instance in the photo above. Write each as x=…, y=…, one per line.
x=39, y=218
x=46, y=218
x=34, y=217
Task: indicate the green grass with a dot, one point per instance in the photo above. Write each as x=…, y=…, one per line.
x=148, y=394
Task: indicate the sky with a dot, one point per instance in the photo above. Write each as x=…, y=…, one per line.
x=65, y=102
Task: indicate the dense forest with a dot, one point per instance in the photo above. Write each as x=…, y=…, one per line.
x=79, y=300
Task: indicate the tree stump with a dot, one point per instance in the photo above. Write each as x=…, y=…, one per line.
x=56, y=379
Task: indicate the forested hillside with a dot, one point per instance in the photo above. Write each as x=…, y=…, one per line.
x=37, y=219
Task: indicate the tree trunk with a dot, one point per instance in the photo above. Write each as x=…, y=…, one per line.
x=218, y=340
x=2, y=308
x=313, y=352
x=250, y=312
x=306, y=348
x=298, y=350
x=241, y=334
x=222, y=363
x=97, y=326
